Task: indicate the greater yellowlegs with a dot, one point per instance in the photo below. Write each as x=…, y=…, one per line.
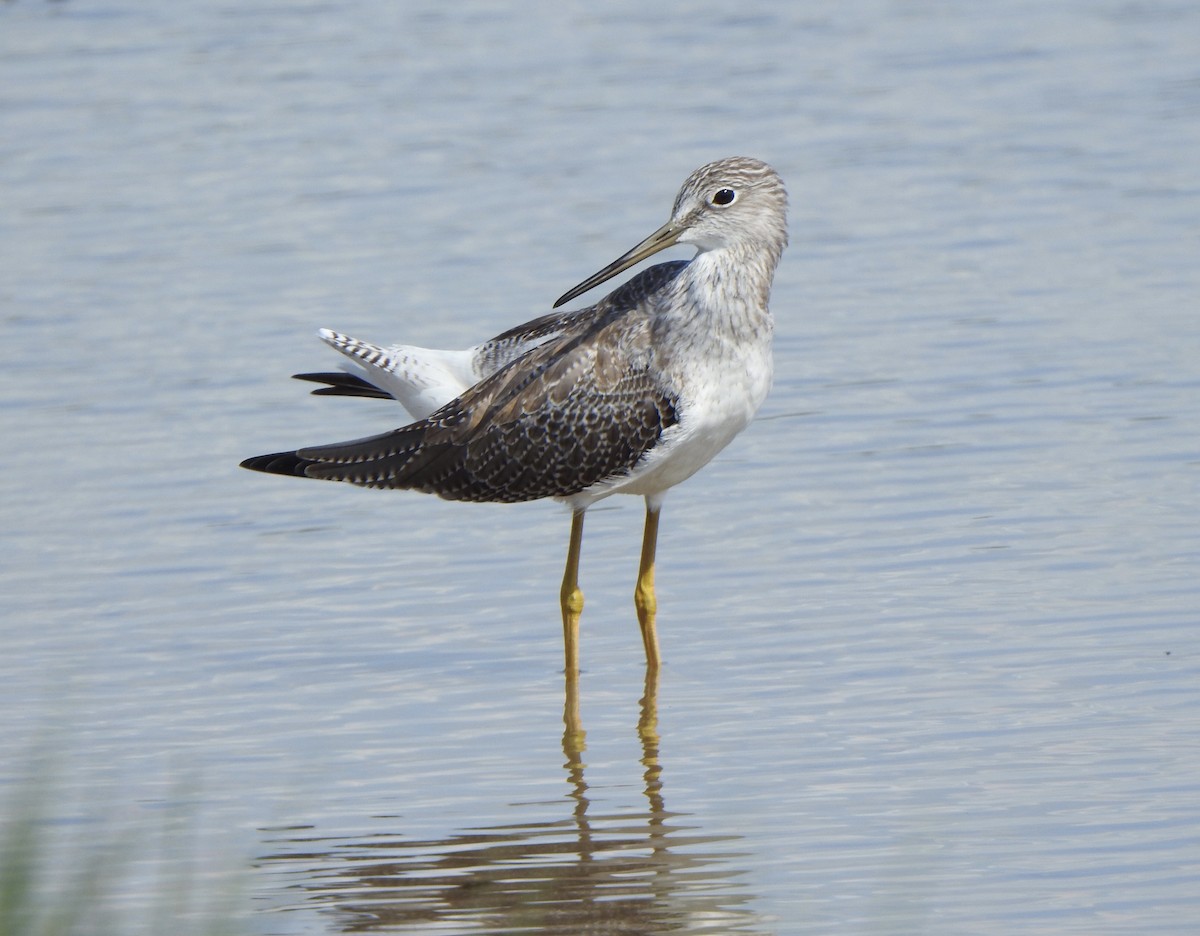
x=631, y=395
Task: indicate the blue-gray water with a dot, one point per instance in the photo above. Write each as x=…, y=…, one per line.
x=929, y=626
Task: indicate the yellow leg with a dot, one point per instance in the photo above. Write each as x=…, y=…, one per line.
x=572, y=596
x=643, y=595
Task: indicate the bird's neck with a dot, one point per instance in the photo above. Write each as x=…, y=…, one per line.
x=731, y=286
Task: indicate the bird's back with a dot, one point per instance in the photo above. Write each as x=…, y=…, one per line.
x=581, y=407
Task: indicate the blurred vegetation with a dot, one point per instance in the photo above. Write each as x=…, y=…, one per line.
x=86, y=876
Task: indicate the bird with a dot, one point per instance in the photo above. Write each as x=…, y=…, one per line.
x=630, y=395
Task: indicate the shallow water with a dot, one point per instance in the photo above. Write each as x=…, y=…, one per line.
x=929, y=625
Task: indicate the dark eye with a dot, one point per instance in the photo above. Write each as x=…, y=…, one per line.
x=724, y=196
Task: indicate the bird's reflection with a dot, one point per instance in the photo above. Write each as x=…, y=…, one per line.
x=642, y=871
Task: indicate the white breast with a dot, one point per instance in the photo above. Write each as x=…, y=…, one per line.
x=721, y=362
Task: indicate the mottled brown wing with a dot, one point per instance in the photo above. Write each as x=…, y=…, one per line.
x=508, y=345
x=577, y=410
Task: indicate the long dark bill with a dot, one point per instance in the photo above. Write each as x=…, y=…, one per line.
x=661, y=239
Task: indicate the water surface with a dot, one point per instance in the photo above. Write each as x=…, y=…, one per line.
x=928, y=625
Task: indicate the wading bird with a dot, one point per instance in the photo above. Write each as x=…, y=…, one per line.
x=631, y=395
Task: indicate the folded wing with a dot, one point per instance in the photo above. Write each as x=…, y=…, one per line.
x=574, y=411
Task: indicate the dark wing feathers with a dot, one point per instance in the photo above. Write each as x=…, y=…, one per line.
x=509, y=344
x=552, y=423
x=342, y=384
x=580, y=408
x=549, y=425
x=285, y=463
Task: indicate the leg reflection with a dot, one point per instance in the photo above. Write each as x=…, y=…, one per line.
x=574, y=737
x=648, y=732
x=621, y=866
x=574, y=743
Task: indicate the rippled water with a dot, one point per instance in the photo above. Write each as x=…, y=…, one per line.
x=929, y=626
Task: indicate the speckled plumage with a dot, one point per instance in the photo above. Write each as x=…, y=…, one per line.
x=578, y=409
x=571, y=412
x=425, y=379
x=630, y=395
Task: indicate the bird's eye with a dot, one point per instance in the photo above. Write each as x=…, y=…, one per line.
x=724, y=196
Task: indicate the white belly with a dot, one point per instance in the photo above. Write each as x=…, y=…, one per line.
x=722, y=403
